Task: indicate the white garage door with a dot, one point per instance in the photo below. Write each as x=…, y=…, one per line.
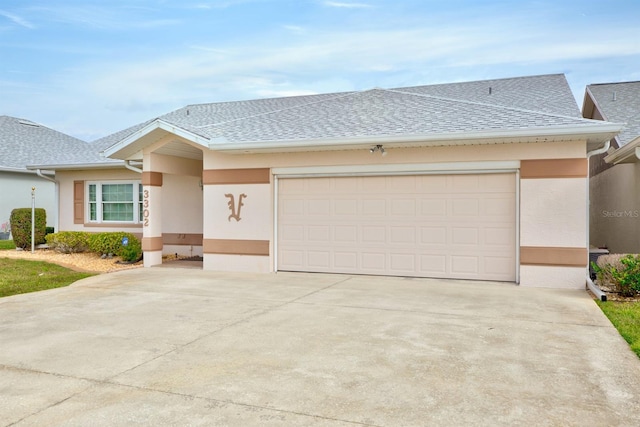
x=447, y=226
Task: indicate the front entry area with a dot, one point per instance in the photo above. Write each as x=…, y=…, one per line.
x=459, y=226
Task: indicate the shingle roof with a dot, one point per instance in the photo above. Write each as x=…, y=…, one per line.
x=619, y=102
x=24, y=142
x=529, y=103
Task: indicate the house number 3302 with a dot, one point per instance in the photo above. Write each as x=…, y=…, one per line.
x=145, y=211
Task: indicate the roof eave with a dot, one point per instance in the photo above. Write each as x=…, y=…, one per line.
x=78, y=166
x=593, y=134
x=135, y=142
x=626, y=154
x=15, y=170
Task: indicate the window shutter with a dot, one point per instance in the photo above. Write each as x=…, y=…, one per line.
x=78, y=202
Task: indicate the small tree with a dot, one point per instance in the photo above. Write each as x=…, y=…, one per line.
x=20, y=220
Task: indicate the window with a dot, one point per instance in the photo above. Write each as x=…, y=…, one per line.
x=115, y=201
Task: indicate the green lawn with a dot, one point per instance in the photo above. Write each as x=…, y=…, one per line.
x=7, y=244
x=625, y=316
x=19, y=276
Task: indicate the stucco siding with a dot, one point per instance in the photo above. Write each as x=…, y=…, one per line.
x=471, y=153
x=181, y=204
x=552, y=277
x=66, y=180
x=615, y=209
x=553, y=212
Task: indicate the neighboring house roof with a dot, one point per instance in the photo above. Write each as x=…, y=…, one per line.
x=619, y=102
x=23, y=142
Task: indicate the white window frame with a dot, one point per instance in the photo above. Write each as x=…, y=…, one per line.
x=136, y=201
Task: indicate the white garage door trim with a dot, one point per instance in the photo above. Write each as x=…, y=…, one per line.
x=509, y=167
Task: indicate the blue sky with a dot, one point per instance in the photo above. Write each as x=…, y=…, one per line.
x=92, y=67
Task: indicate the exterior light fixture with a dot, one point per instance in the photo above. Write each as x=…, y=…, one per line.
x=379, y=148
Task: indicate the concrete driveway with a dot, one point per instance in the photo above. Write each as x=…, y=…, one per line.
x=187, y=347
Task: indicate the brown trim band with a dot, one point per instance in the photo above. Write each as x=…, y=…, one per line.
x=152, y=244
x=236, y=176
x=182, y=239
x=566, y=257
x=236, y=247
x=153, y=179
x=554, y=168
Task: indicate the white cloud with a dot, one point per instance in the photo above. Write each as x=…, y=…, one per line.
x=294, y=28
x=347, y=5
x=99, y=17
x=17, y=20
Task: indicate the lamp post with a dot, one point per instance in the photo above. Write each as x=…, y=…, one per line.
x=33, y=219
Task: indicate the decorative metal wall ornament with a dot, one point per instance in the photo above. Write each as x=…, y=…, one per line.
x=235, y=213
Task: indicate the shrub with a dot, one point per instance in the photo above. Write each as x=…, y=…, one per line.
x=20, y=220
x=619, y=272
x=68, y=241
x=132, y=252
x=111, y=243
x=49, y=230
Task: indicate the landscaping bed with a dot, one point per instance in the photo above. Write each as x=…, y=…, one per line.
x=85, y=262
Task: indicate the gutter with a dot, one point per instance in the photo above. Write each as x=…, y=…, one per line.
x=56, y=202
x=596, y=291
x=590, y=285
x=128, y=165
x=625, y=153
x=600, y=131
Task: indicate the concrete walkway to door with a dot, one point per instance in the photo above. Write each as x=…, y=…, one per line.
x=186, y=347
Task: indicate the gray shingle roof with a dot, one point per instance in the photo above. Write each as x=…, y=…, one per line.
x=530, y=103
x=23, y=142
x=619, y=102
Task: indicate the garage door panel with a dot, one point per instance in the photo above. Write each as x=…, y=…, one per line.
x=403, y=207
x=374, y=207
x=465, y=265
x=402, y=263
x=372, y=261
x=319, y=233
x=344, y=207
x=345, y=233
x=425, y=226
x=433, y=235
x=436, y=207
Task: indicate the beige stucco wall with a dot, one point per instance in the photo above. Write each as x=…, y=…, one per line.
x=181, y=204
x=552, y=211
x=615, y=209
x=66, y=179
x=182, y=209
x=470, y=153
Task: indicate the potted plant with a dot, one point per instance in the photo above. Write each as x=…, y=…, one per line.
x=5, y=230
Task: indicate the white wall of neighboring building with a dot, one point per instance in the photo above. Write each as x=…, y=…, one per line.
x=15, y=192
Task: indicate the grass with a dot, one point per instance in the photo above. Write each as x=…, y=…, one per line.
x=19, y=276
x=7, y=244
x=625, y=316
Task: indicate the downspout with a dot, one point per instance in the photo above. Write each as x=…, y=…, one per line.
x=592, y=287
x=56, y=200
x=128, y=165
